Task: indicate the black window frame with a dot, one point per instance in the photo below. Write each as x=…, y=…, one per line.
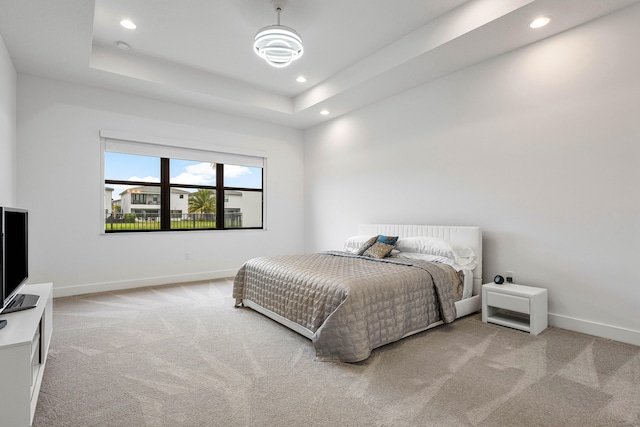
x=165, y=199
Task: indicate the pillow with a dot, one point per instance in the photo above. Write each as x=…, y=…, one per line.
x=436, y=246
x=388, y=240
x=353, y=244
x=466, y=264
x=424, y=257
x=378, y=250
x=366, y=245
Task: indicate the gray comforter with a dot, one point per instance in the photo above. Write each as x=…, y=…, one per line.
x=350, y=303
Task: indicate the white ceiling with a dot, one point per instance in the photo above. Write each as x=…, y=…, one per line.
x=199, y=52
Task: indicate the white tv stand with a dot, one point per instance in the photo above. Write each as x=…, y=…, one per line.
x=24, y=343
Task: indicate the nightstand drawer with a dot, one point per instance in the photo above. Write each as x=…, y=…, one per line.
x=508, y=302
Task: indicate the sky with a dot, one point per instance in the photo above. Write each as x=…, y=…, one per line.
x=131, y=167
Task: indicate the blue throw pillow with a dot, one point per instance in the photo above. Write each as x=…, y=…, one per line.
x=388, y=240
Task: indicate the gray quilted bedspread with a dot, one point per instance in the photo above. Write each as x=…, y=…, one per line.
x=351, y=304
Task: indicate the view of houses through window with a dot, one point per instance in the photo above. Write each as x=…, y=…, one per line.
x=146, y=193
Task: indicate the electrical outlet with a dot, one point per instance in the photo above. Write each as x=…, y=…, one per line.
x=187, y=256
x=509, y=278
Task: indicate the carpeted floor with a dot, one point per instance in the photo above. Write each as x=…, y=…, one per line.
x=183, y=356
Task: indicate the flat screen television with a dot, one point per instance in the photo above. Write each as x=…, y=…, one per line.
x=14, y=260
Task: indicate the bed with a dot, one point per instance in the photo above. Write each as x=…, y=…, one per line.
x=348, y=303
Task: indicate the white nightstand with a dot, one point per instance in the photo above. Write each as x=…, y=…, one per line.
x=516, y=306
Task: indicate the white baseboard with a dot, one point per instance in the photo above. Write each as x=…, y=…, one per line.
x=91, y=288
x=598, y=329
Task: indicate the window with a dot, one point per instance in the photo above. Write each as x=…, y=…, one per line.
x=180, y=189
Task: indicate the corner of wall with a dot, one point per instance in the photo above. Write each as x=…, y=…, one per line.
x=8, y=85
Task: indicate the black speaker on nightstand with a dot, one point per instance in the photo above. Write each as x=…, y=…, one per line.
x=498, y=280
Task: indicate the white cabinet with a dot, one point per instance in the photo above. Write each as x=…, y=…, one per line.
x=24, y=343
x=516, y=306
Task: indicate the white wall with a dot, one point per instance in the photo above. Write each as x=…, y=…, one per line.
x=60, y=182
x=540, y=147
x=7, y=128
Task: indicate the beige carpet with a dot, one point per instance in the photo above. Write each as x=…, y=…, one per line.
x=183, y=356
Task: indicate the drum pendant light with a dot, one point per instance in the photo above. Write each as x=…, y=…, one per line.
x=277, y=44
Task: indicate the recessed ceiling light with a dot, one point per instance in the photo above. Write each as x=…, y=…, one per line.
x=128, y=24
x=540, y=22
x=301, y=79
x=122, y=45
x=324, y=112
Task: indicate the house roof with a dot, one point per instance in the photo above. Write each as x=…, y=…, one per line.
x=199, y=52
x=151, y=190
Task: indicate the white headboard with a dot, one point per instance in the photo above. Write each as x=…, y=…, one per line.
x=470, y=236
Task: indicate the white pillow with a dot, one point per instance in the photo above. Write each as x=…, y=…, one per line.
x=354, y=243
x=461, y=254
x=424, y=257
x=466, y=264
